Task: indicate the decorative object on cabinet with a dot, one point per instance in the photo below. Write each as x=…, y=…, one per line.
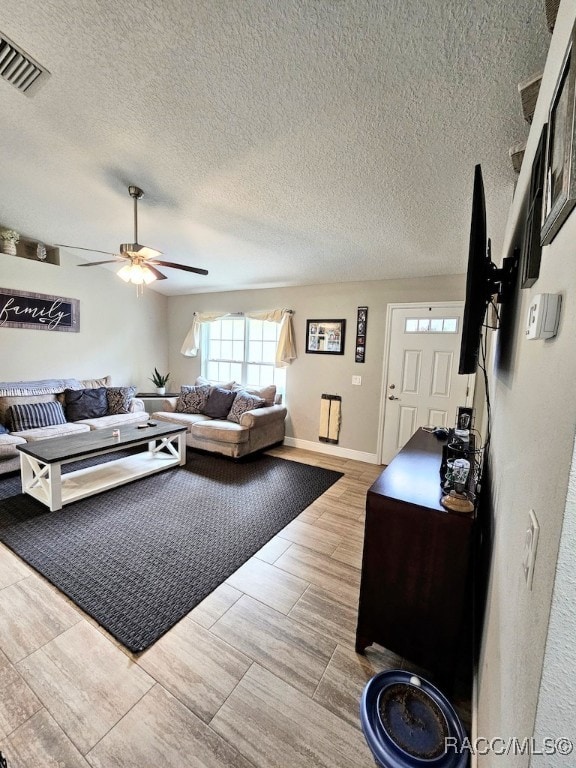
x=457, y=500
x=325, y=337
x=531, y=252
x=38, y=311
x=465, y=418
x=361, y=326
x=560, y=180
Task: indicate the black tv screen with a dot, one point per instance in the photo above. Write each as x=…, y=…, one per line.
x=477, y=280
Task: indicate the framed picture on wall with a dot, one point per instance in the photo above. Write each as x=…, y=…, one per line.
x=531, y=249
x=325, y=337
x=361, y=327
x=560, y=179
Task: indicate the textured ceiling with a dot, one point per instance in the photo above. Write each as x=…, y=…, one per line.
x=279, y=142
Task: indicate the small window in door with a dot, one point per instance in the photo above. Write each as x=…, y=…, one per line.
x=431, y=325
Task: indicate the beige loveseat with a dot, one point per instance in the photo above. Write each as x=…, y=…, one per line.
x=255, y=429
x=21, y=393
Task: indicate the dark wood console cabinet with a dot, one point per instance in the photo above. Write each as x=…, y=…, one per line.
x=415, y=587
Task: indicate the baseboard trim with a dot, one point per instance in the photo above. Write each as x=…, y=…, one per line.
x=331, y=450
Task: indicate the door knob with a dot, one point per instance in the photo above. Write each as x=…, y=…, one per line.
x=392, y=386
x=392, y=397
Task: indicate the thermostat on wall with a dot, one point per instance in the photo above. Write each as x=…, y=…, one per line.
x=543, y=316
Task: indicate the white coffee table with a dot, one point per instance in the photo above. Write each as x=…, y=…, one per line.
x=41, y=461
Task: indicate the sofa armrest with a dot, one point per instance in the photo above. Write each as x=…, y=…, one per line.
x=261, y=416
x=169, y=405
x=136, y=405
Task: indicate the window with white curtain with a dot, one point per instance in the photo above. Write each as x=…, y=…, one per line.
x=242, y=349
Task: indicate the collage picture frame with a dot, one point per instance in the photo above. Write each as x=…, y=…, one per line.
x=325, y=337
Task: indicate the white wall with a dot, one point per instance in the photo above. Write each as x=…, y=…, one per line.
x=556, y=715
x=311, y=375
x=534, y=417
x=120, y=334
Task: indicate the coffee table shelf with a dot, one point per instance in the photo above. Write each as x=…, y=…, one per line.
x=41, y=462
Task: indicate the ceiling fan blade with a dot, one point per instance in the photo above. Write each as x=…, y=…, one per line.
x=198, y=270
x=148, y=253
x=95, y=263
x=136, y=249
x=157, y=274
x=79, y=248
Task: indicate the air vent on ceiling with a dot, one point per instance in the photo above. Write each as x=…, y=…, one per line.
x=20, y=69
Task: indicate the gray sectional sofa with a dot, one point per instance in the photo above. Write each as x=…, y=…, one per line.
x=126, y=409
x=256, y=419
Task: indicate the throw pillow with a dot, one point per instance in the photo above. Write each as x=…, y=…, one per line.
x=105, y=381
x=244, y=402
x=192, y=399
x=85, y=403
x=35, y=415
x=200, y=381
x=219, y=403
x=267, y=393
x=3, y=429
x=119, y=399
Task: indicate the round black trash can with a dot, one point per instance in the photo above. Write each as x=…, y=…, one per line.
x=409, y=723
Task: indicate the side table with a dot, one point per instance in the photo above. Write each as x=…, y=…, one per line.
x=153, y=401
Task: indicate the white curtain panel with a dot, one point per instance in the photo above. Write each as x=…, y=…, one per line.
x=285, y=350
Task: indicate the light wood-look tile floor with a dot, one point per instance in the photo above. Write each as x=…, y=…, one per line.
x=261, y=674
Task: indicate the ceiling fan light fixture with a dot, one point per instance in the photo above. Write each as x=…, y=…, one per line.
x=147, y=275
x=136, y=274
x=124, y=273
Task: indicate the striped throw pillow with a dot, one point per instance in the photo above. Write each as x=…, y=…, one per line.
x=35, y=415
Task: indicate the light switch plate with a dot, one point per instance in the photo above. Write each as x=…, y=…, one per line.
x=530, y=546
x=357, y=381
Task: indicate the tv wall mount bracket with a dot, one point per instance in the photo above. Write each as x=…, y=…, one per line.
x=500, y=281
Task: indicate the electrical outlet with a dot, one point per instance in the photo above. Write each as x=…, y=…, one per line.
x=357, y=381
x=530, y=545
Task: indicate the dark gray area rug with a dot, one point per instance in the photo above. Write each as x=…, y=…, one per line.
x=140, y=557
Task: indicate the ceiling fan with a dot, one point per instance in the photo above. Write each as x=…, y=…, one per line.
x=142, y=260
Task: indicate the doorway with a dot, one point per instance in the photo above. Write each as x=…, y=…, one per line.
x=420, y=383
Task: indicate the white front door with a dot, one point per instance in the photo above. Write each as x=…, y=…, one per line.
x=422, y=384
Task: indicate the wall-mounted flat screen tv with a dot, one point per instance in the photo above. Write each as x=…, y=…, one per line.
x=483, y=279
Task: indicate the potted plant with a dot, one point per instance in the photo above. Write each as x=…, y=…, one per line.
x=9, y=239
x=160, y=380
